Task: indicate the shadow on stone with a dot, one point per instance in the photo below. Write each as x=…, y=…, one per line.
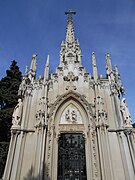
x=41, y=176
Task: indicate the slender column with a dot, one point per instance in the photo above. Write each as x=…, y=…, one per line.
x=94, y=155
x=43, y=153
x=47, y=155
x=35, y=149
x=131, y=154
x=103, y=149
x=88, y=149
x=132, y=142
x=123, y=157
x=109, y=158
x=55, y=159
x=52, y=145
x=37, y=152
x=104, y=152
x=44, y=126
x=10, y=158
x=100, y=155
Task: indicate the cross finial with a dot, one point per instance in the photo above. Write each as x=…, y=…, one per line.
x=70, y=13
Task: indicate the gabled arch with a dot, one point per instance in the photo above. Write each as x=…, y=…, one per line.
x=80, y=99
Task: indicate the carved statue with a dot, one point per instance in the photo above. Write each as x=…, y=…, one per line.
x=67, y=116
x=16, y=117
x=22, y=87
x=125, y=113
x=74, y=115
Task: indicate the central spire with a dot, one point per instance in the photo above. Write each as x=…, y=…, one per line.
x=70, y=53
x=70, y=29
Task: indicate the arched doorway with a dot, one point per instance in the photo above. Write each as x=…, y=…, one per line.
x=70, y=117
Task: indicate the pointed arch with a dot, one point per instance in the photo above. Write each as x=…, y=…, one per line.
x=76, y=97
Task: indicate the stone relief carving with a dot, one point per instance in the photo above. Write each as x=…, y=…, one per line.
x=40, y=119
x=71, y=115
x=100, y=114
x=70, y=77
x=125, y=113
x=16, y=117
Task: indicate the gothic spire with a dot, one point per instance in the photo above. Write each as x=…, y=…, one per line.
x=70, y=29
x=70, y=53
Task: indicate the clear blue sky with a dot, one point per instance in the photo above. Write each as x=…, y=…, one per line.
x=39, y=26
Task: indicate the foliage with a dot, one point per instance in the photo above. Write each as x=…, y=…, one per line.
x=5, y=124
x=9, y=86
x=3, y=155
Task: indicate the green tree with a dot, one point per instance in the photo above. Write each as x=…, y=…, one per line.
x=9, y=86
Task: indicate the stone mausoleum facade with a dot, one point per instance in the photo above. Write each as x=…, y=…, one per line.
x=71, y=125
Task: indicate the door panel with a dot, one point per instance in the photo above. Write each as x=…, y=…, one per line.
x=71, y=157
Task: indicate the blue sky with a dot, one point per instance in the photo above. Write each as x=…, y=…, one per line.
x=39, y=26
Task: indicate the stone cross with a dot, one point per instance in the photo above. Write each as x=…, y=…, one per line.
x=70, y=13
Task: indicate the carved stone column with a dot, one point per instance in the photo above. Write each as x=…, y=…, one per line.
x=10, y=157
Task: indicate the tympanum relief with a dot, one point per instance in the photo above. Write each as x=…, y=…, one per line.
x=71, y=115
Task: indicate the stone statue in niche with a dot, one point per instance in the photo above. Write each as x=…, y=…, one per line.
x=16, y=117
x=125, y=113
